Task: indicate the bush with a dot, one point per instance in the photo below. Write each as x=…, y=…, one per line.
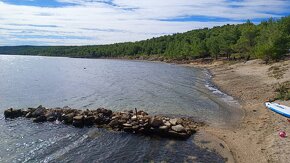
x=283, y=91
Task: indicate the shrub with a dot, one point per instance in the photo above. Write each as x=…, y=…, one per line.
x=283, y=91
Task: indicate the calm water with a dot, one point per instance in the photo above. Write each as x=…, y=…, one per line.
x=157, y=88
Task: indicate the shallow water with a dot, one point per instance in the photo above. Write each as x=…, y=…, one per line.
x=157, y=88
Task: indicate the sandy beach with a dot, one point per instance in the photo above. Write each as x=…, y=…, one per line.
x=256, y=138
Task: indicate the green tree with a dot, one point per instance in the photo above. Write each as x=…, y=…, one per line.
x=213, y=44
x=246, y=42
x=272, y=42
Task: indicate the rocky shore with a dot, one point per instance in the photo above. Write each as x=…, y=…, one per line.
x=127, y=121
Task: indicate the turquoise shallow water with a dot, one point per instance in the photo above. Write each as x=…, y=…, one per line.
x=157, y=88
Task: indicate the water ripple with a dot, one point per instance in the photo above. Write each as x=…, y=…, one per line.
x=154, y=87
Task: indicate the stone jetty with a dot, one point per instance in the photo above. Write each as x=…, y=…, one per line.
x=131, y=121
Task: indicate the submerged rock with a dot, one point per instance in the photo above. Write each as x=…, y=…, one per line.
x=177, y=135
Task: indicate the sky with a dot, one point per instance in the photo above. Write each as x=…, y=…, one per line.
x=94, y=22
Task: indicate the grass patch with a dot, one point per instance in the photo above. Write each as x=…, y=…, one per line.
x=283, y=91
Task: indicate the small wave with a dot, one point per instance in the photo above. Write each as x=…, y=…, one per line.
x=66, y=149
x=41, y=145
x=211, y=87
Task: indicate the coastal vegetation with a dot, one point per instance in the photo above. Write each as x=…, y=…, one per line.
x=283, y=91
x=277, y=72
x=269, y=40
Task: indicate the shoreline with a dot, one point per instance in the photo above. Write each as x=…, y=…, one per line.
x=256, y=138
x=213, y=141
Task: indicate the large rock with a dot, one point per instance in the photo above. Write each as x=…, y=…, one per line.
x=134, y=118
x=41, y=118
x=24, y=112
x=168, y=124
x=51, y=116
x=106, y=120
x=78, y=121
x=116, y=117
x=156, y=122
x=99, y=118
x=31, y=109
x=178, y=128
x=59, y=115
x=40, y=110
x=105, y=112
x=108, y=113
x=127, y=125
x=142, y=113
x=180, y=121
x=100, y=110
x=163, y=128
x=173, y=121
x=28, y=115
x=8, y=113
x=125, y=117
x=68, y=118
x=115, y=123
x=11, y=113
x=89, y=121
x=17, y=113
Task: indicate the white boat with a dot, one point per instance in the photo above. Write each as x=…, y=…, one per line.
x=280, y=109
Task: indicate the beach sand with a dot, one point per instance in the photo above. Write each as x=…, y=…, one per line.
x=252, y=83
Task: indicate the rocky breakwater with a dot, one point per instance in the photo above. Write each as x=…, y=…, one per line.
x=131, y=121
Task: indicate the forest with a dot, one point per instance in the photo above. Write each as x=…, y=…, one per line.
x=269, y=40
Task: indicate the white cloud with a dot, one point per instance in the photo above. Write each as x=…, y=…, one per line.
x=104, y=21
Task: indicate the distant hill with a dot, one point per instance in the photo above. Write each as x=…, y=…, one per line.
x=269, y=40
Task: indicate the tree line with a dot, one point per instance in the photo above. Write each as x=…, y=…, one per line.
x=269, y=40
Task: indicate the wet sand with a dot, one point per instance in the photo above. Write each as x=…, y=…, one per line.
x=256, y=138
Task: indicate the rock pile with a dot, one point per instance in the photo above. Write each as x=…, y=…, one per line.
x=128, y=121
